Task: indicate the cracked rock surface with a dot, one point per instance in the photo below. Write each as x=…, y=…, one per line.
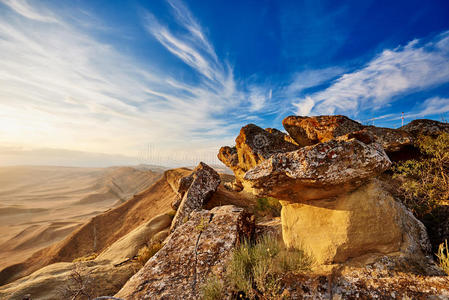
x=196, y=249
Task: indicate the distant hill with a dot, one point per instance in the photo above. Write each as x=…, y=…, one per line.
x=40, y=205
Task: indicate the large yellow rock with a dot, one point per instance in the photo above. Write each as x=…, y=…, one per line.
x=366, y=221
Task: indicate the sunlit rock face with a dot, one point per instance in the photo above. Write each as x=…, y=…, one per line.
x=366, y=221
x=308, y=131
x=194, y=251
x=312, y=130
x=252, y=146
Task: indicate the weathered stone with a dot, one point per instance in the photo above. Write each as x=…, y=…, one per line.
x=282, y=135
x=392, y=140
x=366, y=221
x=204, y=182
x=425, y=127
x=312, y=130
x=253, y=145
x=308, y=131
x=377, y=280
x=320, y=171
x=198, y=248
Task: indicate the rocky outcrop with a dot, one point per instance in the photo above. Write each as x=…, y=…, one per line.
x=392, y=140
x=312, y=130
x=253, y=145
x=195, y=250
x=308, y=131
x=366, y=221
x=425, y=127
x=195, y=189
x=320, y=171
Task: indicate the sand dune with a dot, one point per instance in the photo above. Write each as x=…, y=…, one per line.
x=42, y=205
x=97, y=233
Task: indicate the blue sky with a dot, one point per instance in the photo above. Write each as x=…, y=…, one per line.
x=83, y=78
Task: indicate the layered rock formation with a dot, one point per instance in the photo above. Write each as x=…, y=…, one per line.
x=330, y=204
x=320, y=171
x=194, y=251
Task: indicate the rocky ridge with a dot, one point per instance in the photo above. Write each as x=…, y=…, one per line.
x=365, y=244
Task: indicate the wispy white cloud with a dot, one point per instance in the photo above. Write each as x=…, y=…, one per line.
x=433, y=106
x=414, y=67
x=312, y=78
x=62, y=88
x=23, y=8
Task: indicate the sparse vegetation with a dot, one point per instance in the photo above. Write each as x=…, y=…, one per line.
x=425, y=183
x=443, y=257
x=86, y=258
x=256, y=268
x=268, y=206
x=146, y=252
x=80, y=284
x=213, y=289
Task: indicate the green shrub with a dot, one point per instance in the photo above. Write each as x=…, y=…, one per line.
x=212, y=289
x=268, y=205
x=256, y=268
x=443, y=257
x=425, y=183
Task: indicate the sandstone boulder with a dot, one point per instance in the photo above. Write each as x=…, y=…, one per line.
x=195, y=250
x=196, y=189
x=312, y=130
x=425, y=127
x=308, y=131
x=253, y=145
x=366, y=221
x=320, y=171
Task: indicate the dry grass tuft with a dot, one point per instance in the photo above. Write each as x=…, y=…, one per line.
x=443, y=257
x=86, y=258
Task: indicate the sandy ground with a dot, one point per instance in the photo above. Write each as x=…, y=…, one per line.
x=42, y=205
